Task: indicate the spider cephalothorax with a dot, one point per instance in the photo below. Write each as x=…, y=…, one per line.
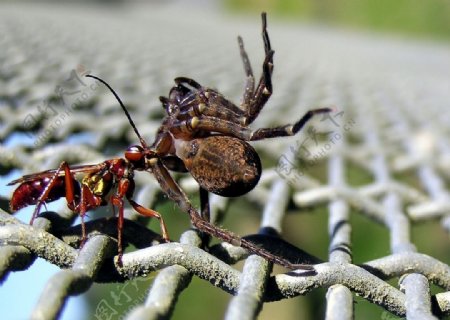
x=199, y=129
x=203, y=134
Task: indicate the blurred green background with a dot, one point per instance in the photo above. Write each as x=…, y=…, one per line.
x=416, y=18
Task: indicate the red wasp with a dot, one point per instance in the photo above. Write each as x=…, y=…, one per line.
x=203, y=134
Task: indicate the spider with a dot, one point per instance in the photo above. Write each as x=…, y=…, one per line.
x=203, y=133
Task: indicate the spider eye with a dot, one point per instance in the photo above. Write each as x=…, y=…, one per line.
x=134, y=154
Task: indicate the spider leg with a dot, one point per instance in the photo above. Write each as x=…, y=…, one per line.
x=287, y=130
x=264, y=89
x=165, y=102
x=205, y=213
x=189, y=81
x=219, y=108
x=204, y=204
x=250, y=82
x=212, y=124
x=176, y=194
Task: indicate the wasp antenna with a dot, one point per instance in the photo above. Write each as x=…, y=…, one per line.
x=143, y=143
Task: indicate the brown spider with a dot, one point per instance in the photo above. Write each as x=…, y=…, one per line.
x=203, y=134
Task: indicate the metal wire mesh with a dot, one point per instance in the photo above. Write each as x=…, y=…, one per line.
x=392, y=121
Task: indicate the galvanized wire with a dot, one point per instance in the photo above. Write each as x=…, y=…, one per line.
x=392, y=118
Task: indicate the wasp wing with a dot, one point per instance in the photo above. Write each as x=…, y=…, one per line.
x=49, y=173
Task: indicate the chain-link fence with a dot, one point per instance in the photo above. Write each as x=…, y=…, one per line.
x=383, y=154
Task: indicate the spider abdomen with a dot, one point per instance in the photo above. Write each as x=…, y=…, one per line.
x=223, y=165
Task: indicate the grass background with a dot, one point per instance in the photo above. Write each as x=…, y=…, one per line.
x=415, y=18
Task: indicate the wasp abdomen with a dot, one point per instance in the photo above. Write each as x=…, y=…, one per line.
x=28, y=192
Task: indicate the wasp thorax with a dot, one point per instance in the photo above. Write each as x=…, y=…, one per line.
x=98, y=184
